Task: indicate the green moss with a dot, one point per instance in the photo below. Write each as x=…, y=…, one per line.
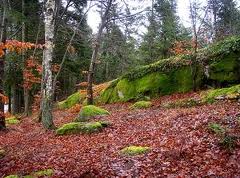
x=216, y=128
x=226, y=93
x=79, y=127
x=41, y=173
x=174, y=74
x=12, y=176
x=46, y=172
x=185, y=103
x=71, y=101
x=134, y=150
x=90, y=111
x=141, y=104
x=12, y=120
x=225, y=70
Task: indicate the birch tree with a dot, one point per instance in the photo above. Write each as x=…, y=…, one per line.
x=96, y=45
x=47, y=83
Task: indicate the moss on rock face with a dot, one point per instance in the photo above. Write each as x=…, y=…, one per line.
x=134, y=150
x=79, y=127
x=141, y=105
x=90, y=111
x=225, y=70
x=223, y=93
x=71, y=101
x=217, y=64
x=12, y=120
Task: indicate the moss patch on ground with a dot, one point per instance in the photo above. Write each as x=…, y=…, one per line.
x=141, y=105
x=71, y=101
x=80, y=127
x=12, y=120
x=134, y=150
x=231, y=93
x=183, y=103
x=89, y=111
x=41, y=173
x=216, y=128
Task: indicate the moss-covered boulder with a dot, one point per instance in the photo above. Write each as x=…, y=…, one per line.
x=71, y=101
x=90, y=111
x=134, y=150
x=230, y=93
x=216, y=65
x=12, y=120
x=141, y=105
x=79, y=127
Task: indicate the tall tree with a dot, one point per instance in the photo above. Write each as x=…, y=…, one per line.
x=2, y=40
x=47, y=83
x=226, y=18
x=96, y=45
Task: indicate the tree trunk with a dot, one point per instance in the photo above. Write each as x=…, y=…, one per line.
x=95, y=54
x=14, y=99
x=47, y=87
x=3, y=40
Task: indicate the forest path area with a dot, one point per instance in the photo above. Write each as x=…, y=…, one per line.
x=180, y=142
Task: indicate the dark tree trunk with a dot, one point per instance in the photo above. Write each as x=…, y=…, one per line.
x=3, y=40
x=95, y=53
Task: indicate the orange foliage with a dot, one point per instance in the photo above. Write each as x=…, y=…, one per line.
x=82, y=84
x=182, y=47
x=75, y=109
x=3, y=99
x=17, y=46
x=99, y=88
x=31, y=73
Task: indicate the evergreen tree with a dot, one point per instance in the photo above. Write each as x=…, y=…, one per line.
x=226, y=18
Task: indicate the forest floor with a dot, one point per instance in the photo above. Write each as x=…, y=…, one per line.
x=180, y=141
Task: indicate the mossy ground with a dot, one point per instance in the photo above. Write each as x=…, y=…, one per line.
x=12, y=120
x=141, y=105
x=71, y=101
x=134, y=150
x=41, y=173
x=90, y=111
x=225, y=93
x=184, y=103
x=80, y=127
x=216, y=128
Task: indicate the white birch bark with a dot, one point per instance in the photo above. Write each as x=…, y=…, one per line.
x=47, y=85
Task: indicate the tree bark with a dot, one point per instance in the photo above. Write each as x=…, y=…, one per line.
x=3, y=40
x=47, y=81
x=96, y=46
